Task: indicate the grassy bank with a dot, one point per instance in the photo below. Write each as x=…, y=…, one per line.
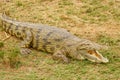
x=96, y=20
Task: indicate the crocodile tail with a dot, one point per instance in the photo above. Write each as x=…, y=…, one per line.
x=3, y=16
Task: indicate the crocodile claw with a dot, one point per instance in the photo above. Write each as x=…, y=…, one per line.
x=25, y=51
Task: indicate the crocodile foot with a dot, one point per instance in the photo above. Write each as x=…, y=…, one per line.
x=25, y=51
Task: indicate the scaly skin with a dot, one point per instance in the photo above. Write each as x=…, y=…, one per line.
x=56, y=41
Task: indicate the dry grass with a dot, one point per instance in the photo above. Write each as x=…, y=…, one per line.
x=97, y=20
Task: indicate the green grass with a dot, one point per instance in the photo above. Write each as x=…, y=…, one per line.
x=1, y=44
x=18, y=3
x=10, y=58
x=2, y=55
x=97, y=20
x=108, y=40
x=14, y=58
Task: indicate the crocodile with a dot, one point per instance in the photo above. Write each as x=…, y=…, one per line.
x=59, y=42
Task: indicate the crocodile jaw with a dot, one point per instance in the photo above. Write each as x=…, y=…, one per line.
x=94, y=56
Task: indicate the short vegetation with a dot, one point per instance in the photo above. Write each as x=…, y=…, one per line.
x=96, y=20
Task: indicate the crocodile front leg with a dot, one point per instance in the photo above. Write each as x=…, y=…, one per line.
x=79, y=57
x=60, y=56
x=75, y=55
x=25, y=44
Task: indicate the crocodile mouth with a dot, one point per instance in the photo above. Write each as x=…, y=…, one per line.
x=96, y=57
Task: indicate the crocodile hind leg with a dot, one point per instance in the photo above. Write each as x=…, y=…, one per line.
x=7, y=37
x=60, y=56
x=25, y=44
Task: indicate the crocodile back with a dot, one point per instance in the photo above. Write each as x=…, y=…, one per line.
x=45, y=38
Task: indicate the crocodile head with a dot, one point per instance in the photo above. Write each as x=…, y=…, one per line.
x=89, y=50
